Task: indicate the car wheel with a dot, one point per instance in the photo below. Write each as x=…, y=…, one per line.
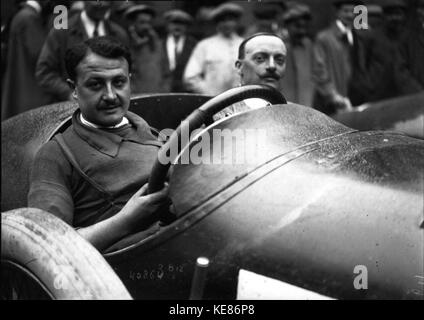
x=42, y=257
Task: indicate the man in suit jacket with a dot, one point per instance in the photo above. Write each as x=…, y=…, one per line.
x=178, y=47
x=332, y=70
x=27, y=34
x=51, y=72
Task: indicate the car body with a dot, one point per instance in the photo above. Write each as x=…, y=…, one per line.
x=321, y=201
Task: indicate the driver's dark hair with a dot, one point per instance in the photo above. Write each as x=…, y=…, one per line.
x=106, y=46
x=241, y=52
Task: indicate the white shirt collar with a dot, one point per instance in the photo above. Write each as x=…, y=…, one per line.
x=123, y=122
x=35, y=5
x=345, y=30
x=170, y=47
x=90, y=25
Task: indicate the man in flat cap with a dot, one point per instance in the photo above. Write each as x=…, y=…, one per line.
x=148, y=73
x=91, y=22
x=297, y=83
x=266, y=17
x=374, y=78
x=210, y=69
x=178, y=46
x=332, y=60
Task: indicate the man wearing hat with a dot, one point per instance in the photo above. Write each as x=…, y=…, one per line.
x=332, y=60
x=210, y=69
x=178, y=46
x=297, y=82
x=266, y=15
x=374, y=77
x=148, y=72
x=91, y=22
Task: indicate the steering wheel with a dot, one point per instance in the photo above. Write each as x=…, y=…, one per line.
x=199, y=116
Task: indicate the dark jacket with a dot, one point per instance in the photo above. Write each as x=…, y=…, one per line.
x=176, y=76
x=21, y=91
x=409, y=68
x=331, y=69
x=50, y=72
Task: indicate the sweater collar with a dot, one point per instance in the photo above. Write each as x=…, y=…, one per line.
x=108, y=142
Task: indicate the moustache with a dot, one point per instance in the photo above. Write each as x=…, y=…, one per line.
x=109, y=105
x=271, y=75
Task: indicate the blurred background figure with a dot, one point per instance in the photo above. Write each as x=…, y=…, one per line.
x=91, y=22
x=210, y=69
x=148, y=72
x=410, y=63
x=332, y=60
x=266, y=17
x=374, y=75
x=178, y=46
x=297, y=82
x=28, y=31
x=75, y=8
x=117, y=12
x=375, y=16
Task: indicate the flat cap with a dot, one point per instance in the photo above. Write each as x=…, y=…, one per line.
x=339, y=3
x=266, y=10
x=391, y=4
x=297, y=10
x=225, y=9
x=121, y=6
x=177, y=15
x=374, y=10
x=139, y=8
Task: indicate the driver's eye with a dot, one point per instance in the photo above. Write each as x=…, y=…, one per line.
x=119, y=82
x=94, y=85
x=280, y=61
x=259, y=59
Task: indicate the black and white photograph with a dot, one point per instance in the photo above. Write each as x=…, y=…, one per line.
x=212, y=154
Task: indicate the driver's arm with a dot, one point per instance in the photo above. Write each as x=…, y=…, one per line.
x=138, y=214
x=50, y=191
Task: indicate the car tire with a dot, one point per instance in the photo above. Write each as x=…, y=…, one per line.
x=48, y=254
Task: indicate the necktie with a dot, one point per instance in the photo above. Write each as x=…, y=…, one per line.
x=96, y=29
x=176, y=53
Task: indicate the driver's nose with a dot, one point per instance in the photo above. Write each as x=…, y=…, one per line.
x=110, y=94
x=271, y=64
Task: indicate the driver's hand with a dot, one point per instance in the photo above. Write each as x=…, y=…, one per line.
x=142, y=208
x=340, y=103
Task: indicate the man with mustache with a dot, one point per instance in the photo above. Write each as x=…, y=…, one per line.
x=261, y=60
x=94, y=175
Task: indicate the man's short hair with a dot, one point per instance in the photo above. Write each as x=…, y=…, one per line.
x=106, y=47
x=241, y=51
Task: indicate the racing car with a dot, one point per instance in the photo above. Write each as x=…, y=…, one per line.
x=316, y=209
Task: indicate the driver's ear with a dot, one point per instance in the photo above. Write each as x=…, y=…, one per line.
x=238, y=65
x=71, y=85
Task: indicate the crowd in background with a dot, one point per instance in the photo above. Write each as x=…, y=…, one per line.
x=339, y=67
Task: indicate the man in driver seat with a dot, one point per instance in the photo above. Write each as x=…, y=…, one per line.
x=261, y=60
x=94, y=175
